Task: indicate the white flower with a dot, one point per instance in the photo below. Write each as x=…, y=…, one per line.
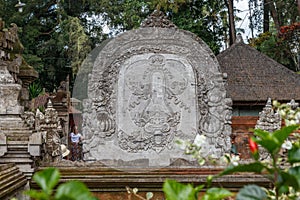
x=290, y=122
x=200, y=140
x=234, y=160
x=282, y=113
x=298, y=117
x=287, y=145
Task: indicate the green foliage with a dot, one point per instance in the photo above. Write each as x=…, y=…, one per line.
x=251, y=192
x=286, y=180
x=283, y=51
x=197, y=16
x=256, y=167
x=34, y=89
x=73, y=190
x=48, y=179
x=178, y=191
x=273, y=141
x=216, y=194
x=294, y=153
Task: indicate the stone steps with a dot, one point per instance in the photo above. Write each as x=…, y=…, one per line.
x=17, y=150
x=18, y=154
x=11, y=180
x=17, y=135
x=12, y=122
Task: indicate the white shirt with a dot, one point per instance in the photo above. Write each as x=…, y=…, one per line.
x=75, y=137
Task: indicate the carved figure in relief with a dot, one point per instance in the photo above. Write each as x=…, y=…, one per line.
x=149, y=107
x=29, y=118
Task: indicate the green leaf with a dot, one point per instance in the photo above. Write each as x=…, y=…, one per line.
x=199, y=188
x=262, y=133
x=282, y=134
x=251, y=192
x=73, y=190
x=37, y=195
x=178, y=191
x=266, y=140
x=216, y=194
x=256, y=167
x=287, y=179
x=47, y=179
x=294, y=155
x=295, y=171
x=272, y=142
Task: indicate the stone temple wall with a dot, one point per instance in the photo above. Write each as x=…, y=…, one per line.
x=150, y=87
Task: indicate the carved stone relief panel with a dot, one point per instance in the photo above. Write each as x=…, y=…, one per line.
x=148, y=87
x=156, y=102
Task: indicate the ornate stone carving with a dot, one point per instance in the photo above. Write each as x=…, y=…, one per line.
x=29, y=118
x=50, y=128
x=268, y=121
x=150, y=86
x=154, y=104
x=158, y=19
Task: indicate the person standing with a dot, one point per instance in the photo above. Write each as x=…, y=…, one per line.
x=76, y=145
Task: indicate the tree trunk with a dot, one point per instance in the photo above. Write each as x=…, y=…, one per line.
x=232, y=35
x=274, y=14
x=266, y=25
x=298, y=6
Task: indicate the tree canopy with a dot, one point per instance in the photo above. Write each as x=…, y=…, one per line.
x=57, y=35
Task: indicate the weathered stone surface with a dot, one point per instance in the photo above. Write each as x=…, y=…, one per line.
x=34, y=144
x=3, y=146
x=268, y=121
x=9, y=104
x=148, y=87
x=110, y=183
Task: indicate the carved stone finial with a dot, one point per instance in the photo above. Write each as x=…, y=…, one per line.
x=239, y=38
x=293, y=104
x=49, y=104
x=158, y=19
x=269, y=103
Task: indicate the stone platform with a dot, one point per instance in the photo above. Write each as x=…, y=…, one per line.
x=107, y=183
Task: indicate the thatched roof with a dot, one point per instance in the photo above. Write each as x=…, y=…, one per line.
x=253, y=76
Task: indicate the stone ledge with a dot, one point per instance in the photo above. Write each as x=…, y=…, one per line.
x=106, y=180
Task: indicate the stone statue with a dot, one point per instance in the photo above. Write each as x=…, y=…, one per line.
x=49, y=125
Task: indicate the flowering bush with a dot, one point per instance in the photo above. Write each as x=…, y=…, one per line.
x=285, y=180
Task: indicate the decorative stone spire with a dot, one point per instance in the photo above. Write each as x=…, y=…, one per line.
x=268, y=120
x=239, y=38
x=158, y=19
x=49, y=104
x=293, y=104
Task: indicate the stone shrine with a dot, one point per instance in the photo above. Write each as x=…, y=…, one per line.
x=148, y=88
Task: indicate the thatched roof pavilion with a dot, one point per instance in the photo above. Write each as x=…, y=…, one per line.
x=253, y=76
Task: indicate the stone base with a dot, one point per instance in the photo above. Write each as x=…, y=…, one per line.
x=9, y=94
x=11, y=121
x=107, y=183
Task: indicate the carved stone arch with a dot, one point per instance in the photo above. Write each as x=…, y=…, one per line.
x=180, y=62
